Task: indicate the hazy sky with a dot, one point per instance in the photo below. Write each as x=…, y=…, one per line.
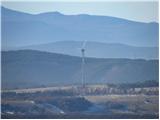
x=145, y=11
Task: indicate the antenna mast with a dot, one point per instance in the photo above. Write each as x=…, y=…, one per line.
x=83, y=67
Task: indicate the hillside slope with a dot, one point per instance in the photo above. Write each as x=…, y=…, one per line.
x=28, y=68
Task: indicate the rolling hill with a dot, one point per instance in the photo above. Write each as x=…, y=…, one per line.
x=96, y=49
x=30, y=68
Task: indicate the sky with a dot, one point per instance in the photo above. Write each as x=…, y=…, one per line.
x=144, y=11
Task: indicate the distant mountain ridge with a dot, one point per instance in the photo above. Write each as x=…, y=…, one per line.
x=19, y=29
x=29, y=68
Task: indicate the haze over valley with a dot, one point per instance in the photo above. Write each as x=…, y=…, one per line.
x=58, y=65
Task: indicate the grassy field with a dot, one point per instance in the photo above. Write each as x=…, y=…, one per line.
x=134, y=103
x=137, y=103
x=121, y=98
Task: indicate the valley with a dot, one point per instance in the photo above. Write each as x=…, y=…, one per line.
x=88, y=60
